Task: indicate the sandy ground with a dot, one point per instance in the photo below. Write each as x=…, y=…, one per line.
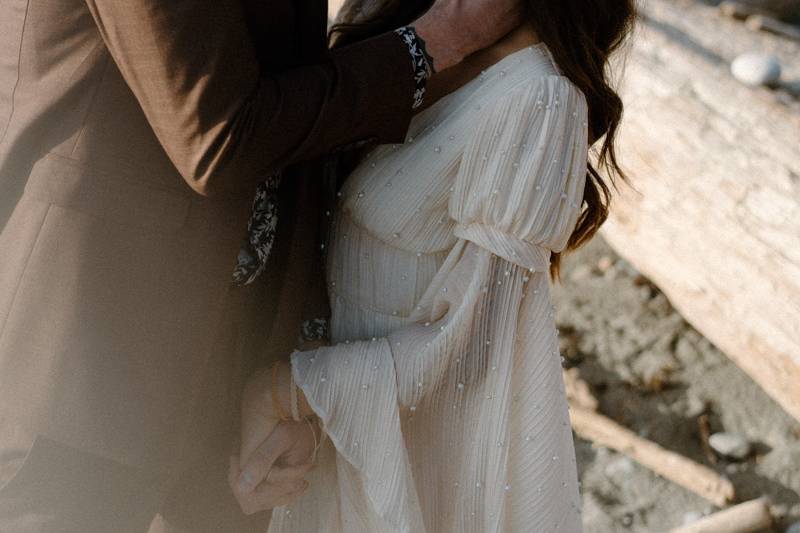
x=655, y=374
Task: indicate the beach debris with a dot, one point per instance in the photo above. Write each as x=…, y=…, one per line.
x=704, y=429
x=785, y=10
x=737, y=10
x=619, y=469
x=653, y=369
x=604, y=263
x=670, y=465
x=691, y=517
x=695, y=406
x=730, y=445
x=771, y=25
x=578, y=392
x=603, y=431
x=756, y=69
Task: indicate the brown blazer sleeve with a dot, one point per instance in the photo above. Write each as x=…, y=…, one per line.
x=223, y=120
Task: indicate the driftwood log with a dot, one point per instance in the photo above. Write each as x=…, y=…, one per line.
x=716, y=219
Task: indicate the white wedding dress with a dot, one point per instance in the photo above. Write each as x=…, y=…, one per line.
x=443, y=394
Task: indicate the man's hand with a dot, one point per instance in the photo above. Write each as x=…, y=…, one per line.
x=267, y=471
x=454, y=29
x=273, y=474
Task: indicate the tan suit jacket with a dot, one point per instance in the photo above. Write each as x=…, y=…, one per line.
x=132, y=134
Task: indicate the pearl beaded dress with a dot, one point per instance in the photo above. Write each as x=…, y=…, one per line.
x=443, y=395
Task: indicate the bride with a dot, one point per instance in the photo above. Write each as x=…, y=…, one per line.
x=441, y=396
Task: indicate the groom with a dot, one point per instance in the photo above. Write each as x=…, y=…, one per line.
x=132, y=136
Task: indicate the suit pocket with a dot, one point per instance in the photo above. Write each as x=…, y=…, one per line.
x=108, y=194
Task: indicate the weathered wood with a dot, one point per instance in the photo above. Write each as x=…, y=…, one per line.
x=603, y=431
x=743, y=518
x=766, y=23
x=716, y=219
x=578, y=392
x=788, y=10
x=735, y=9
x=680, y=470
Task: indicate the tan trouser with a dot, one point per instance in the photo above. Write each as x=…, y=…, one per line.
x=47, y=487
x=63, y=490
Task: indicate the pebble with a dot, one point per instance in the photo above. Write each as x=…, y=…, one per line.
x=756, y=69
x=691, y=517
x=627, y=520
x=730, y=445
x=604, y=263
x=732, y=469
x=620, y=467
x=611, y=273
x=695, y=406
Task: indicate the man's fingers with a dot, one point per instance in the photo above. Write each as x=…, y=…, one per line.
x=282, y=474
x=289, y=497
x=271, y=491
x=261, y=461
x=286, y=484
x=268, y=496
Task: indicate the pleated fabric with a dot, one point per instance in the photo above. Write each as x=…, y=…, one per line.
x=442, y=394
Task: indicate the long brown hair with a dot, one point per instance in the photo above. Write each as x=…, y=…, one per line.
x=582, y=35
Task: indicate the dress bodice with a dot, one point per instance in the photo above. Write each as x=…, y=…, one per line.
x=400, y=192
x=394, y=226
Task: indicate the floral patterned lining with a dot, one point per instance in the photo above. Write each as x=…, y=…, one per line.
x=422, y=62
x=261, y=230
